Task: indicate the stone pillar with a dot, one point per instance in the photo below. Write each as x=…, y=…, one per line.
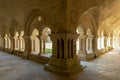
x=84, y=45
x=105, y=43
x=27, y=50
x=95, y=46
x=64, y=59
x=79, y=45
x=12, y=44
x=41, y=45
x=44, y=46
x=111, y=41
x=20, y=42
x=91, y=44
x=87, y=44
x=2, y=43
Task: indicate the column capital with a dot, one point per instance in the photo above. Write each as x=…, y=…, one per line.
x=83, y=37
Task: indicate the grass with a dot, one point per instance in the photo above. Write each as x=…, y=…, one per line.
x=48, y=50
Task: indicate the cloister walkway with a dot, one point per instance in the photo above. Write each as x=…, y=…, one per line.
x=105, y=67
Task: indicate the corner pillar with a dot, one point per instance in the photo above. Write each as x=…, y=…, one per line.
x=64, y=59
x=27, y=50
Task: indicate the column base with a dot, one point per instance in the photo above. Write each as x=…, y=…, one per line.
x=64, y=67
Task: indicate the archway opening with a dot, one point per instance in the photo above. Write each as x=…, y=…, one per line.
x=46, y=42
x=89, y=41
x=6, y=42
x=100, y=43
x=35, y=42
x=0, y=41
x=80, y=42
x=21, y=41
x=108, y=41
x=16, y=40
x=9, y=42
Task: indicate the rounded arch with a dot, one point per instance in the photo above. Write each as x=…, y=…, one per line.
x=21, y=41
x=6, y=40
x=89, y=19
x=35, y=42
x=80, y=30
x=42, y=18
x=16, y=38
x=46, y=41
x=35, y=32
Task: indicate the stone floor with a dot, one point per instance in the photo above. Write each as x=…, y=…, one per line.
x=106, y=67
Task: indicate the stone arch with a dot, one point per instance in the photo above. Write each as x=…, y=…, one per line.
x=35, y=42
x=16, y=39
x=21, y=41
x=80, y=43
x=89, y=19
x=46, y=41
x=31, y=16
x=89, y=41
x=6, y=42
x=100, y=42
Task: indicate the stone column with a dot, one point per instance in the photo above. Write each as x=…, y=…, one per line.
x=87, y=44
x=27, y=50
x=41, y=45
x=40, y=41
x=111, y=41
x=91, y=44
x=44, y=46
x=95, y=45
x=12, y=44
x=80, y=45
x=20, y=42
x=3, y=43
x=84, y=45
x=105, y=43
x=64, y=59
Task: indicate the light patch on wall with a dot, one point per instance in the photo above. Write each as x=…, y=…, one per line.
x=39, y=18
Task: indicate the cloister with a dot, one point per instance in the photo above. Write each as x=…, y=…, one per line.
x=59, y=34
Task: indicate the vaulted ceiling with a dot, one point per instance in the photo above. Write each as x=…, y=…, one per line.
x=109, y=16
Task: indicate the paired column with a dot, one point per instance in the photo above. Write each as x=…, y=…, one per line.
x=64, y=59
x=82, y=44
x=42, y=45
x=105, y=41
x=89, y=44
x=111, y=41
